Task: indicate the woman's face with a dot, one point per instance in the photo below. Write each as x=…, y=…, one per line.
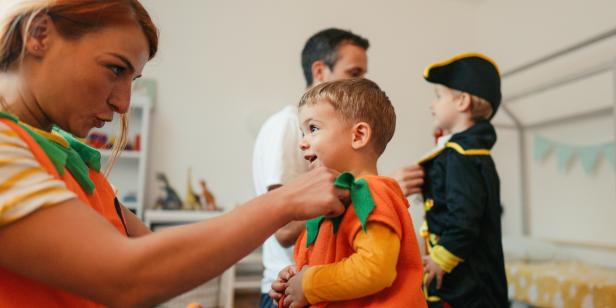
x=79, y=84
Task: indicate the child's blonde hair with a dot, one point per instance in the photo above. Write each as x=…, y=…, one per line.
x=481, y=109
x=356, y=100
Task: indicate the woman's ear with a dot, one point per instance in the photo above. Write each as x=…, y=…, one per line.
x=38, y=37
x=463, y=104
x=362, y=134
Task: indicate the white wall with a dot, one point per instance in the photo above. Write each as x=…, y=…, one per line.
x=566, y=207
x=224, y=66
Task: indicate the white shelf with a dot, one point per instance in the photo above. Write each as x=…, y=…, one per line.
x=253, y=258
x=247, y=283
x=176, y=217
x=140, y=101
x=133, y=205
x=123, y=154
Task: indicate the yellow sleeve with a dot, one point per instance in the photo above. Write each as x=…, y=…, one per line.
x=25, y=186
x=369, y=270
x=444, y=258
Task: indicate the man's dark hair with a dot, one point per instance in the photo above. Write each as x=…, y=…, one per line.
x=323, y=46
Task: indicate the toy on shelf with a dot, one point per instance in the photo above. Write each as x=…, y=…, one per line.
x=192, y=199
x=137, y=144
x=130, y=197
x=100, y=140
x=167, y=198
x=208, y=201
x=97, y=140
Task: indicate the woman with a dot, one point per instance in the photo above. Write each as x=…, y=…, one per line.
x=70, y=64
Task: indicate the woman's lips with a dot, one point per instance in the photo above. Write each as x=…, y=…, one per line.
x=99, y=123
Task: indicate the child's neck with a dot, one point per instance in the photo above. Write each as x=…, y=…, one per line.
x=461, y=125
x=362, y=169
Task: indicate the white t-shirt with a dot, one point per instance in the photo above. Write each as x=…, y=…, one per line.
x=277, y=160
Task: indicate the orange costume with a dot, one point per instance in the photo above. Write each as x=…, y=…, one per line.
x=56, y=155
x=347, y=251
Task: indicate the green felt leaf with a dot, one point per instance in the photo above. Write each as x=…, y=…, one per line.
x=363, y=204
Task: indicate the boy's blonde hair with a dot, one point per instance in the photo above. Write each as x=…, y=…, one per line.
x=481, y=109
x=358, y=100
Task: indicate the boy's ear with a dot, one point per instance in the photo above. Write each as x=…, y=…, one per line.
x=38, y=39
x=463, y=104
x=318, y=71
x=362, y=134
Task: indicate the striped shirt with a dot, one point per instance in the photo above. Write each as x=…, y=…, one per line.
x=25, y=186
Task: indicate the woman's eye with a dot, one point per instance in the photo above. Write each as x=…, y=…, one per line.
x=117, y=70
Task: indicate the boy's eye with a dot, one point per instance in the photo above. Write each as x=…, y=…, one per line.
x=313, y=129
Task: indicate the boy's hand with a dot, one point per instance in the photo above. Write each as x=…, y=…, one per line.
x=433, y=270
x=280, y=284
x=294, y=294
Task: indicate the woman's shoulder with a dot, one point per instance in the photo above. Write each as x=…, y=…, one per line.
x=26, y=185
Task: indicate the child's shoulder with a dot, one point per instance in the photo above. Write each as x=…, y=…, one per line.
x=385, y=183
x=385, y=188
x=478, y=139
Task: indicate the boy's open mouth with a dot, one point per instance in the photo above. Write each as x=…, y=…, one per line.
x=312, y=159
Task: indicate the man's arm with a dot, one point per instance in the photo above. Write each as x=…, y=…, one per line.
x=287, y=235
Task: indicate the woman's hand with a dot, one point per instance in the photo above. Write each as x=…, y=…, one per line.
x=313, y=194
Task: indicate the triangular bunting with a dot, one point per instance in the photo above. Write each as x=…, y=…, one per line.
x=564, y=154
x=541, y=149
x=608, y=152
x=588, y=157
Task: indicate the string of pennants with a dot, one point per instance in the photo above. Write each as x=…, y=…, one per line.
x=588, y=155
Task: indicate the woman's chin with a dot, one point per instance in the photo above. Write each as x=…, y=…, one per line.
x=80, y=133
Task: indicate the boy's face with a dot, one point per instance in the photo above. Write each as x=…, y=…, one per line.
x=325, y=136
x=444, y=108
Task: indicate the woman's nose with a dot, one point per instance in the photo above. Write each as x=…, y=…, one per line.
x=120, y=98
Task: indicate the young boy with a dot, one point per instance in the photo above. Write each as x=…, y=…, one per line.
x=369, y=256
x=464, y=266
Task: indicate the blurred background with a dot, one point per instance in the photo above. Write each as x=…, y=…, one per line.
x=225, y=66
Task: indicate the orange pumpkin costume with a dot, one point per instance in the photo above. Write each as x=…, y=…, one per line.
x=335, y=246
x=19, y=291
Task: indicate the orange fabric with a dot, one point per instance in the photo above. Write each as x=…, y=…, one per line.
x=367, y=271
x=391, y=210
x=19, y=291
